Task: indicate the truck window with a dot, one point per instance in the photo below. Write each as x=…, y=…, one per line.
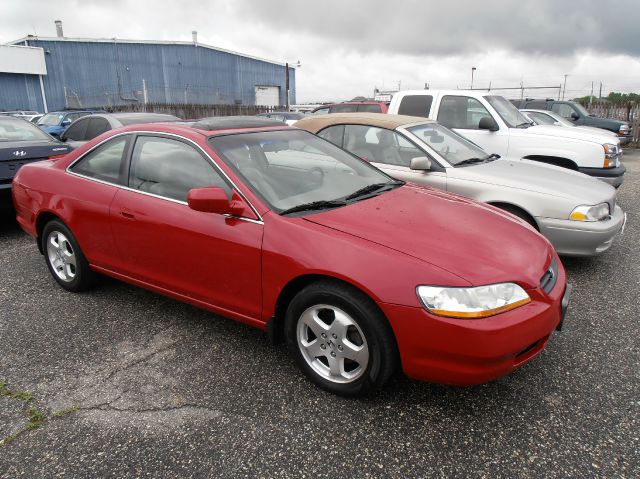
x=461, y=112
x=343, y=109
x=563, y=109
x=415, y=105
x=370, y=108
x=536, y=105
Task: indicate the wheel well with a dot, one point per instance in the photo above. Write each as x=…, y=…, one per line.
x=41, y=221
x=275, y=326
x=516, y=210
x=554, y=160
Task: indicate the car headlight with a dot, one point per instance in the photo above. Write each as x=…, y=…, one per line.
x=591, y=213
x=611, y=155
x=471, y=303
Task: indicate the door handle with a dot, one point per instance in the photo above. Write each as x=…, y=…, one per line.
x=128, y=216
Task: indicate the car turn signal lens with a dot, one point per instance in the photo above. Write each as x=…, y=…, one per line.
x=590, y=213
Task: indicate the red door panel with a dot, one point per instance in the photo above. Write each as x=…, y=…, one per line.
x=205, y=256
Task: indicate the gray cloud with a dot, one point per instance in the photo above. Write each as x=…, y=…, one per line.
x=420, y=27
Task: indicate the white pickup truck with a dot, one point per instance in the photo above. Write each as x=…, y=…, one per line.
x=493, y=123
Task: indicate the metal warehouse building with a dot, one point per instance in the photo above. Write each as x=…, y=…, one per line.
x=57, y=73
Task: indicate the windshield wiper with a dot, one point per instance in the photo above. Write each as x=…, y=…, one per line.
x=473, y=161
x=314, y=205
x=370, y=189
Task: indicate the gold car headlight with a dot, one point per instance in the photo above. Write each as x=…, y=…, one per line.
x=591, y=213
x=474, y=302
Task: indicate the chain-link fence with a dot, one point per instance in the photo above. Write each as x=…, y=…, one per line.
x=146, y=92
x=194, y=110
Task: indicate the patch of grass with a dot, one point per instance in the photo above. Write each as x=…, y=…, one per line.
x=36, y=418
x=64, y=412
x=19, y=395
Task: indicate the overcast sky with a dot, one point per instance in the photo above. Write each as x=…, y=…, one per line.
x=348, y=47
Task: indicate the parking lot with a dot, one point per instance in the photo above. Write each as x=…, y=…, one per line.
x=126, y=382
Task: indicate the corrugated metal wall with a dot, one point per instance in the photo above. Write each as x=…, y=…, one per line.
x=99, y=74
x=20, y=92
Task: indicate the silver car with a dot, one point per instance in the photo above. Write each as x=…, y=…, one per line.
x=577, y=213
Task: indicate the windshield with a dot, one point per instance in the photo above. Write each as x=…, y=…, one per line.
x=20, y=130
x=549, y=118
x=509, y=113
x=448, y=144
x=290, y=168
x=51, y=119
x=583, y=111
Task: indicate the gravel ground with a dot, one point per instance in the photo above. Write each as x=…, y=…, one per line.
x=131, y=384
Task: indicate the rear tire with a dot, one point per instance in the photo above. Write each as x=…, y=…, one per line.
x=340, y=339
x=65, y=260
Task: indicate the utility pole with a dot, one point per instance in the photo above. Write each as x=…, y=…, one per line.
x=564, y=89
x=600, y=94
x=286, y=85
x=591, y=95
x=473, y=69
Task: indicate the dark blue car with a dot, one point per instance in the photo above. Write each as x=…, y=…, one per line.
x=21, y=142
x=56, y=122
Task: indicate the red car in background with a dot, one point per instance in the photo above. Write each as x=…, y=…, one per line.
x=352, y=107
x=280, y=229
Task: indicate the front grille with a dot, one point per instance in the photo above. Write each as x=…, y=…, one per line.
x=550, y=277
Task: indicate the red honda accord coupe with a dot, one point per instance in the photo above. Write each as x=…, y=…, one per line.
x=280, y=229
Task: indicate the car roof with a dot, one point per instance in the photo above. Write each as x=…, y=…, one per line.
x=130, y=118
x=234, y=123
x=381, y=120
x=211, y=126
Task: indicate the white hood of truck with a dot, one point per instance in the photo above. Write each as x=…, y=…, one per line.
x=572, y=133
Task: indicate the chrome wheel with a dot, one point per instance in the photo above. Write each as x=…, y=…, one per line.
x=61, y=256
x=332, y=343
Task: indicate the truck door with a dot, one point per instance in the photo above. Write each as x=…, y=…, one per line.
x=463, y=113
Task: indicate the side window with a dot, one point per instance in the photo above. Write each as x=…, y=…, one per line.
x=333, y=134
x=415, y=105
x=380, y=145
x=104, y=162
x=76, y=131
x=461, y=112
x=170, y=168
x=563, y=110
x=321, y=111
x=97, y=126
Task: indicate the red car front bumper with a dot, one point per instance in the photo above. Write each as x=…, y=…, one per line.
x=465, y=352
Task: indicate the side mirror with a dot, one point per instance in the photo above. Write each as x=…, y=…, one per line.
x=575, y=116
x=421, y=163
x=213, y=199
x=209, y=200
x=487, y=123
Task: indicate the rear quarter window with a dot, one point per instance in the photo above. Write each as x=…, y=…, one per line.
x=415, y=105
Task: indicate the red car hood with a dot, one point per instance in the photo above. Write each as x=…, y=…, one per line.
x=472, y=240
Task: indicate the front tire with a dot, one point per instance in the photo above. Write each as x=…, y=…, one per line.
x=65, y=260
x=340, y=339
